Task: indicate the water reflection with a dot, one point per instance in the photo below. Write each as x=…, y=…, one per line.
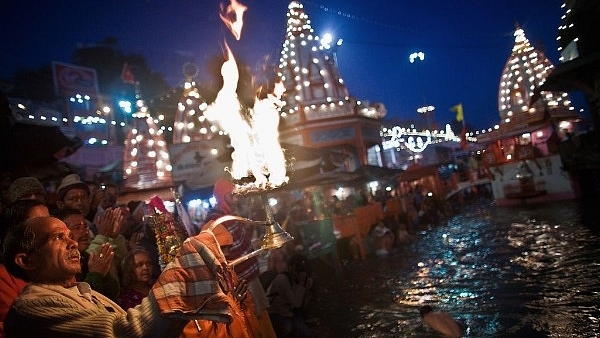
x=501, y=272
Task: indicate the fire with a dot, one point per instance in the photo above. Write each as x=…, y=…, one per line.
x=265, y=124
x=233, y=17
x=253, y=133
x=226, y=110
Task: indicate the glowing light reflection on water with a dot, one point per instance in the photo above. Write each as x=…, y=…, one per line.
x=502, y=272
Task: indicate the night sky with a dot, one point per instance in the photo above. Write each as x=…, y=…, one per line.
x=466, y=43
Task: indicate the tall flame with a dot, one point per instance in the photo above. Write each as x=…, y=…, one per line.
x=233, y=17
x=253, y=132
x=226, y=110
x=265, y=122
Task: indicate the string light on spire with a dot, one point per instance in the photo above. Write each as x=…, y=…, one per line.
x=146, y=162
x=526, y=69
x=190, y=122
x=308, y=69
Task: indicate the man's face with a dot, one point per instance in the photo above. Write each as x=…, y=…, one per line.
x=143, y=267
x=56, y=258
x=77, y=199
x=80, y=232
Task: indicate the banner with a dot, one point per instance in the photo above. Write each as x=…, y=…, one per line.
x=72, y=79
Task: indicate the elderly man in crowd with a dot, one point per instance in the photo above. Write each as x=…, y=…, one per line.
x=95, y=267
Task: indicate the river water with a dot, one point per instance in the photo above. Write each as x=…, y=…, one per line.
x=530, y=271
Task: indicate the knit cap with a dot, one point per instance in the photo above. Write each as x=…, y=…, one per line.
x=24, y=187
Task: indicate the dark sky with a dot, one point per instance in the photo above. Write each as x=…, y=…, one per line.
x=466, y=42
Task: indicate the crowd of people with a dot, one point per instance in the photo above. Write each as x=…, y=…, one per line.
x=87, y=266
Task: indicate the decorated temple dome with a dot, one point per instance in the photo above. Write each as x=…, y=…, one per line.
x=526, y=70
x=190, y=123
x=318, y=111
x=309, y=72
x=146, y=161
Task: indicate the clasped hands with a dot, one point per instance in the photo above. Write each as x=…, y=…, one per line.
x=110, y=222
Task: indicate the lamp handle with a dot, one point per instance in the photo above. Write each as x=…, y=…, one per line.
x=227, y=218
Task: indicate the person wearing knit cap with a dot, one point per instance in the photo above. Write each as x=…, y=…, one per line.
x=26, y=188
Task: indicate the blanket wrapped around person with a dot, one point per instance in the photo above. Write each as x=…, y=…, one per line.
x=199, y=285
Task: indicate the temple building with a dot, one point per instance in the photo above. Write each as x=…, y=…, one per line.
x=319, y=112
x=523, y=157
x=190, y=123
x=525, y=71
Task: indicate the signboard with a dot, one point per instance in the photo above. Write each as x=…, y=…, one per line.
x=72, y=79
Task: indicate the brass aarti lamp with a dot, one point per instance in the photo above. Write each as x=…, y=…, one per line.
x=274, y=237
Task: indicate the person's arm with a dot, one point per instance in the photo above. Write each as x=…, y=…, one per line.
x=443, y=323
x=301, y=287
x=58, y=316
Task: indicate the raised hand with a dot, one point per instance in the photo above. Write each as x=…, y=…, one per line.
x=110, y=222
x=101, y=261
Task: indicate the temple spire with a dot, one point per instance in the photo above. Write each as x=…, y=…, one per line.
x=308, y=69
x=146, y=161
x=525, y=70
x=190, y=123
